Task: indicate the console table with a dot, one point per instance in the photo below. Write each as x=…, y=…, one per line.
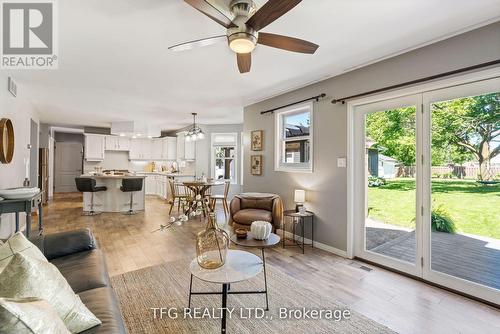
x=25, y=205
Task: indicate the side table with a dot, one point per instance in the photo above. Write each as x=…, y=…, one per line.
x=249, y=241
x=239, y=266
x=299, y=218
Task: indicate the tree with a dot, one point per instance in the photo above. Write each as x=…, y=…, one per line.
x=394, y=133
x=463, y=129
x=471, y=124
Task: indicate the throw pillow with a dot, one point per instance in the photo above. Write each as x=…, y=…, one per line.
x=18, y=243
x=29, y=316
x=28, y=277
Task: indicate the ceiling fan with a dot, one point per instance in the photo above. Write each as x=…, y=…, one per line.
x=243, y=30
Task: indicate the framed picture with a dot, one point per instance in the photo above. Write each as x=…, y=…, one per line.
x=257, y=140
x=256, y=164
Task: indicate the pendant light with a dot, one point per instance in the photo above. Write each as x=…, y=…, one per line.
x=194, y=133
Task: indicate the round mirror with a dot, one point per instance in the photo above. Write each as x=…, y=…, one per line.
x=6, y=141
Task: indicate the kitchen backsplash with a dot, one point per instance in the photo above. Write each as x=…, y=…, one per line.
x=119, y=160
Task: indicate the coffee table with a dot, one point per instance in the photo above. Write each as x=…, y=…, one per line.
x=239, y=266
x=249, y=241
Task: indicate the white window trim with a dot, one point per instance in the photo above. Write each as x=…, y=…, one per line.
x=279, y=141
x=236, y=154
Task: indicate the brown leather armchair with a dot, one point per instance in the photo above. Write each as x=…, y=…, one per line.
x=248, y=207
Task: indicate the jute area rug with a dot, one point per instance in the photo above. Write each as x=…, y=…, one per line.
x=155, y=299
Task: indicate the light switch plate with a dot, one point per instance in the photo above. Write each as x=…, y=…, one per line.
x=342, y=162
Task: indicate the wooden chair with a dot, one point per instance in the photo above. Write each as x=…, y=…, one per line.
x=223, y=198
x=177, y=192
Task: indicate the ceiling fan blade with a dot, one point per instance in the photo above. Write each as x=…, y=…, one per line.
x=271, y=11
x=198, y=43
x=244, y=62
x=211, y=12
x=287, y=43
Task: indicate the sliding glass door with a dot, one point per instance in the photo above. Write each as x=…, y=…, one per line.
x=462, y=188
x=388, y=194
x=426, y=186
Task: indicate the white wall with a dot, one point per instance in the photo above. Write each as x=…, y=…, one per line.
x=20, y=111
x=327, y=185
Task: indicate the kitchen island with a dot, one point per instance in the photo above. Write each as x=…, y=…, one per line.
x=113, y=199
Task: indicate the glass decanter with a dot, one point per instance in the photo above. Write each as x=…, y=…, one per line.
x=212, y=245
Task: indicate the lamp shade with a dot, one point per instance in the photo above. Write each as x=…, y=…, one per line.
x=299, y=196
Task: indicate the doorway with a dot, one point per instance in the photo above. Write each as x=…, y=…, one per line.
x=68, y=165
x=33, y=172
x=426, y=185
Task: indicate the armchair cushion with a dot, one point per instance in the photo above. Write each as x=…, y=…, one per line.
x=248, y=216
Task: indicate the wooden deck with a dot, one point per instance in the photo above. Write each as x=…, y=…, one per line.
x=459, y=255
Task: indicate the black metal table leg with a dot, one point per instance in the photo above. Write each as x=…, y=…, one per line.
x=40, y=223
x=17, y=221
x=190, y=290
x=265, y=277
x=303, y=245
x=28, y=224
x=224, y=308
x=312, y=231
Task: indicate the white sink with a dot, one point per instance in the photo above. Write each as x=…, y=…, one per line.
x=19, y=193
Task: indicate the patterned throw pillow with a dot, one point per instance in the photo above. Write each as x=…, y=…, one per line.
x=18, y=243
x=25, y=276
x=29, y=316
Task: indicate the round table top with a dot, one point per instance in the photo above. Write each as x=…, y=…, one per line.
x=239, y=266
x=201, y=183
x=293, y=213
x=249, y=241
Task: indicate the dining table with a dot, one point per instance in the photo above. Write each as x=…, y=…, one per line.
x=198, y=191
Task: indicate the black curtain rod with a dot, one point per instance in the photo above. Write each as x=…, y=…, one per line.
x=408, y=83
x=317, y=97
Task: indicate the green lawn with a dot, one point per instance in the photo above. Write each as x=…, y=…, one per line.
x=474, y=209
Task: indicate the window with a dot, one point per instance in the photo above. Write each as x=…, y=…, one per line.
x=224, y=156
x=294, y=138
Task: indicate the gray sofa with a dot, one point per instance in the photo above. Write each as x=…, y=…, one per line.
x=83, y=265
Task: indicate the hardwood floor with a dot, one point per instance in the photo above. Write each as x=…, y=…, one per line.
x=401, y=303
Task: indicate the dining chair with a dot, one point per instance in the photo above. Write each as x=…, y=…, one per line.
x=222, y=198
x=177, y=192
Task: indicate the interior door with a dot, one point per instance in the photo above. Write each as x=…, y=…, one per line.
x=462, y=188
x=387, y=183
x=68, y=165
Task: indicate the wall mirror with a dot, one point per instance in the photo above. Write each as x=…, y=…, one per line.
x=6, y=141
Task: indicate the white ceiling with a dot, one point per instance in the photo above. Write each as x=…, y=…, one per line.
x=114, y=64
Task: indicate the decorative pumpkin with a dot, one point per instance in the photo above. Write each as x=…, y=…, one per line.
x=261, y=229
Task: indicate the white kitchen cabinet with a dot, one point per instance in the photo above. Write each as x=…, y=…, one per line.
x=150, y=184
x=157, y=149
x=94, y=147
x=114, y=143
x=190, y=150
x=185, y=149
x=180, y=146
x=140, y=149
x=170, y=148
x=123, y=144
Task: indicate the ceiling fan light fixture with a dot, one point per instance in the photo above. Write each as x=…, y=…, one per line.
x=242, y=42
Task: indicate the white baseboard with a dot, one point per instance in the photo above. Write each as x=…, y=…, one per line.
x=317, y=244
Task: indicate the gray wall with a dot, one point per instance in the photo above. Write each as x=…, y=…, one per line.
x=327, y=185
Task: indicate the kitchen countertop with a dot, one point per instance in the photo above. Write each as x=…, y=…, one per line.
x=166, y=174
x=125, y=176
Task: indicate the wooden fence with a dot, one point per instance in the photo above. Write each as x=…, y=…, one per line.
x=460, y=172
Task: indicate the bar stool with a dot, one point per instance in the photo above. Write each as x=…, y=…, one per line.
x=88, y=185
x=131, y=185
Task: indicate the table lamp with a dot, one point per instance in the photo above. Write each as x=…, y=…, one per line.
x=299, y=198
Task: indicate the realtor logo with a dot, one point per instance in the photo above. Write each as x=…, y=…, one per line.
x=28, y=31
